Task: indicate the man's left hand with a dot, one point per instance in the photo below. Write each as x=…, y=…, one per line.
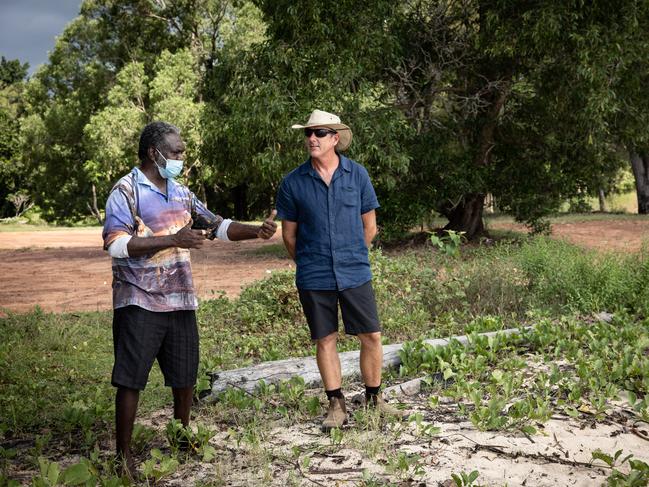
x=268, y=228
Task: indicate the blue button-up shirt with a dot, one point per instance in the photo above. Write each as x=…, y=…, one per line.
x=330, y=251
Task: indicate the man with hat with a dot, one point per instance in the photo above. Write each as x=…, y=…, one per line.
x=327, y=207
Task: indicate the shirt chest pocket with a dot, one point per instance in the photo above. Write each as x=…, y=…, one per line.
x=350, y=196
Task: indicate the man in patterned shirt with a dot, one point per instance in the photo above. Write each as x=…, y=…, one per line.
x=151, y=223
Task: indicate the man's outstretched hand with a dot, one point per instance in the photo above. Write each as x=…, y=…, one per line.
x=187, y=238
x=268, y=228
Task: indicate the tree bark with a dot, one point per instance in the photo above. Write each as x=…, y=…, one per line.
x=466, y=216
x=94, y=209
x=640, y=166
x=602, y=201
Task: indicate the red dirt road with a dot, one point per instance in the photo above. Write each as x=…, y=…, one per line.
x=623, y=234
x=67, y=270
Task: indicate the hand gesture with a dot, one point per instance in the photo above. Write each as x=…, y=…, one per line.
x=268, y=228
x=187, y=238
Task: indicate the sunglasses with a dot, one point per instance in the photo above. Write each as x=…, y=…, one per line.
x=319, y=133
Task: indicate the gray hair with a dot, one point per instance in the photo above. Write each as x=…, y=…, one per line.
x=153, y=135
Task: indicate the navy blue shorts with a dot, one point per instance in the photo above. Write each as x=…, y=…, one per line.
x=141, y=336
x=357, y=307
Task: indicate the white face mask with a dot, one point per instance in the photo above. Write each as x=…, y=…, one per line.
x=172, y=169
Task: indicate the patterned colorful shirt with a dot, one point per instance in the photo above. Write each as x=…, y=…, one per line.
x=161, y=281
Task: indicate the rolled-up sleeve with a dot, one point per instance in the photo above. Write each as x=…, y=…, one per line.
x=285, y=204
x=119, y=220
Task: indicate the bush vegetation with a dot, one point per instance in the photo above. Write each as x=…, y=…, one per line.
x=55, y=368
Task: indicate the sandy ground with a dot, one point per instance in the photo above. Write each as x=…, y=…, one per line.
x=559, y=455
x=68, y=270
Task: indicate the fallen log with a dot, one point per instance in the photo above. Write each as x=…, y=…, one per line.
x=247, y=378
x=408, y=388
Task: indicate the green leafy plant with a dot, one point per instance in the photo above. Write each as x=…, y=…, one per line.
x=610, y=460
x=82, y=473
x=159, y=466
x=448, y=244
x=291, y=392
x=464, y=479
x=426, y=430
x=183, y=438
x=405, y=464
x=637, y=476
x=49, y=473
x=370, y=480
x=336, y=436
x=6, y=454
x=141, y=438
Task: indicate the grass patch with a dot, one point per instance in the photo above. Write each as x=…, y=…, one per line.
x=54, y=368
x=271, y=250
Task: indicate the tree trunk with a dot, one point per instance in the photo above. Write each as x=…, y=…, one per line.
x=467, y=216
x=240, y=195
x=94, y=209
x=640, y=166
x=602, y=201
x=490, y=203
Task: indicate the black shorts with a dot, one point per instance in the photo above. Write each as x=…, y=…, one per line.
x=357, y=306
x=140, y=336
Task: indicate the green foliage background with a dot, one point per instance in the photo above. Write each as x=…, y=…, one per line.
x=448, y=101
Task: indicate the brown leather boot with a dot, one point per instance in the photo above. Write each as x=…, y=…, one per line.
x=385, y=409
x=336, y=414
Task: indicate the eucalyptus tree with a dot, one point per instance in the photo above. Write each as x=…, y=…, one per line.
x=314, y=55
x=629, y=87
x=508, y=98
x=82, y=86
x=450, y=99
x=12, y=172
x=72, y=86
x=170, y=94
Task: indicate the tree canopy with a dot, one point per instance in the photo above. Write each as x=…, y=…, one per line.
x=448, y=101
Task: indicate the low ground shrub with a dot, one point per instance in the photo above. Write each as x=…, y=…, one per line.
x=50, y=362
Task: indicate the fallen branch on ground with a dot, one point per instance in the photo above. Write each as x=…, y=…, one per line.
x=247, y=378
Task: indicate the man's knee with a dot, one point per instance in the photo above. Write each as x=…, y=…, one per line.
x=127, y=393
x=370, y=339
x=183, y=393
x=327, y=343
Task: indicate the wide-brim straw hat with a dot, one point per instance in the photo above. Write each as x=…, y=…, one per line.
x=319, y=118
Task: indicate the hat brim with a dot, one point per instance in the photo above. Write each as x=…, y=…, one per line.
x=344, y=132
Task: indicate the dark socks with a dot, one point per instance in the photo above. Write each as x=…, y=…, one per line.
x=334, y=393
x=372, y=392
